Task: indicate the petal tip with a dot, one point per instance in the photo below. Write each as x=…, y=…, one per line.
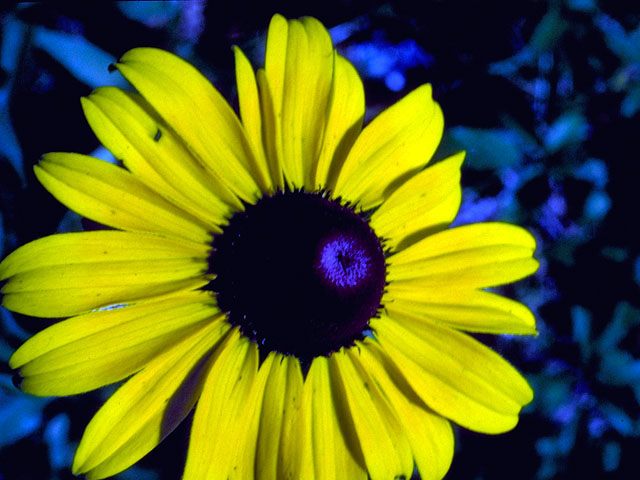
x=16, y=360
x=425, y=89
x=458, y=158
x=277, y=22
x=79, y=460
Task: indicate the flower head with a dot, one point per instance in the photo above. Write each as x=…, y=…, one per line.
x=289, y=270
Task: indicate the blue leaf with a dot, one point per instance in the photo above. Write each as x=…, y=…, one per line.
x=85, y=61
x=618, y=419
x=597, y=205
x=13, y=32
x=569, y=128
x=581, y=321
x=611, y=456
x=631, y=103
x=20, y=414
x=56, y=435
x=152, y=14
x=9, y=146
x=617, y=39
x=582, y=5
x=619, y=368
x=593, y=170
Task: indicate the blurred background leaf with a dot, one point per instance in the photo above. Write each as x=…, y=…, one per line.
x=79, y=57
x=544, y=95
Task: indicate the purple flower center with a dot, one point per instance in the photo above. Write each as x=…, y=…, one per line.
x=298, y=273
x=343, y=262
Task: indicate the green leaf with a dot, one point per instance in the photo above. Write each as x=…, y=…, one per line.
x=490, y=149
x=548, y=31
x=581, y=321
x=616, y=254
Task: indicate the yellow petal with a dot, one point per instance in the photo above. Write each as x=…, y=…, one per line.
x=478, y=255
x=300, y=87
x=270, y=127
x=197, y=112
x=103, y=347
x=224, y=413
x=430, y=200
x=97, y=246
x=396, y=143
x=384, y=444
x=112, y=196
x=271, y=84
x=128, y=127
x=336, y=449
x=462, y=308
x=454, y=374
x=271, y=421
x=290, y=454
x=248, y=423
x=278, y=453
x=148, y=407
x=250, y=112
x=430, y=435
x=303, y=432
x=71, y=273
x=275, y=59
x=343, y=125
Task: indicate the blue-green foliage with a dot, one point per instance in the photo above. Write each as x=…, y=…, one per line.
x=545, y=100
x=626, y=46
x=568, y=394
x=13, y=33
x=19, y=416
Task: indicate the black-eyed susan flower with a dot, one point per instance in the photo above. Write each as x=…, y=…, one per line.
x=289, y=271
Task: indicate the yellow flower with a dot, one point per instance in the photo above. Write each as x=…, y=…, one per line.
x=291, y=271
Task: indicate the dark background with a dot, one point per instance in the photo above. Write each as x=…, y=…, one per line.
x=544, y=96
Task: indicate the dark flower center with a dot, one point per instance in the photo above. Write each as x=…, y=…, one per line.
x=299, y=273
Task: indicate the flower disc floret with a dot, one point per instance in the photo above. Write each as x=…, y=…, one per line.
x=299, y=273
